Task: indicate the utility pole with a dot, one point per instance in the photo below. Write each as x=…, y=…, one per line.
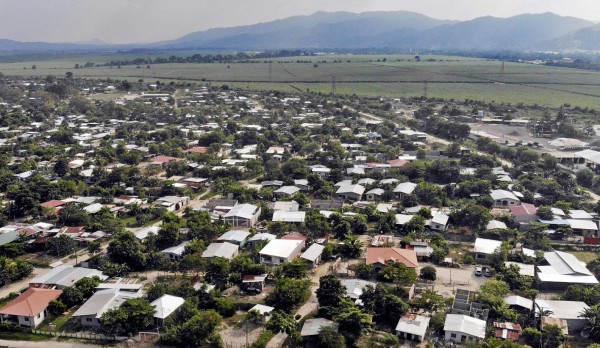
x=270, y=71
x=425, y=89
x=502, y=69
x=333, y=85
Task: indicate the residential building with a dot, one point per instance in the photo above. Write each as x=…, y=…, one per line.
x=279, y=251
x=313, y=254
x=404, y=189
x=524, y=213
x=175, y=252
x=507, y=331
x=29, y=308
x=63, y=276
x=485, y=247
x=375, y=194
x=243, y=215
x=503, y=198
x=225, y=250
x=379, y=257
x=350, y=192
x=289, y=216
x=563, y=269
x=412, y=327
x=91, y=311
x=312, y=327
x=570, y=311
x=463, y=328
x=165, y=306
x=234, y=237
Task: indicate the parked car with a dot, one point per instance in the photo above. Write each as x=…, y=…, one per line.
x=478, y=271
x=487, y=272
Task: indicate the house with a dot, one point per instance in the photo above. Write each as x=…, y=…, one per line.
x=264, y=311
x=585, y=228
x=313, y=254
x=243, y=215
x=375, y=194
x=63, y=276
x=196, y=149
x=563, y=269
x=312, y=327
x=402, y=219
x=225, y=250
x=164, y=307
x=438, y=221
x=234, y=237
x=356, y=287
x=523, y=213
x=461, y=328
x=279, y=251
x=176, y=252
x=495, y=224
x=289, y=216
x=259, y=237
x=91, y=311
x=126, y=287
x=485, y=247
x=379, y=257
x=507, y=331
x=144, y=232
x=320, y=204
x=254, y=283
x=570, y=311
x=404, y=189
x=162, y=161
x=521, y=304
x=503, y=198
x=524, y=269
x=302, y=184
x=29, y=308
x=286, y=206
x=286, y=191
x=350, y=192
x=173, y=203
x=412, y=327
x=580, y=215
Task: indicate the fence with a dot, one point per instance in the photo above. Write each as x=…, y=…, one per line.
x=90, y=336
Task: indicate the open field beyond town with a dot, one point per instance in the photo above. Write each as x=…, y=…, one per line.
x=366, y=75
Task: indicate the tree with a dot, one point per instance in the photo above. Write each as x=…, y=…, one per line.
x=385, y=305
x=429, y=300
x=363, y=271
x=61, y=245
x=330, y=290
x=592, y=318
x=428, y=272
x=94, y=247
x=294, y=269
x=353, y=322
x=585, y=177
x=352, y=247
x=56, y=308
x=289, y=292
x=132, y=316
x=281, y=321
x=217, y=272
x=61, y=167
x=397, y=272
x=329, y=338
x=127, y=249
x=112, y=269
x=201, y=330
x=544, y=212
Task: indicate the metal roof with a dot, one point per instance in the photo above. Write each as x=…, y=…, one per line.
x=487, y=246
x=313, y=252
x=465, y=324
x=245, y=211
x=166, y=305
x=413, y=324
x=312, y=327
x=103, y=300
x=289, y=216
x=226, y=250
x=281, y=247
x=66, y=275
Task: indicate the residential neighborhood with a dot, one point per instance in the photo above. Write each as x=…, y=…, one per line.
x=207, y=216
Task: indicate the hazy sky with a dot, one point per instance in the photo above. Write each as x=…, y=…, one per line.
x=131, y=21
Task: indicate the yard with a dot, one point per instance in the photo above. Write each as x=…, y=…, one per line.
x=586, y=256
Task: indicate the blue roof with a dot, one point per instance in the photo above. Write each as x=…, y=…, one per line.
x=554, y=222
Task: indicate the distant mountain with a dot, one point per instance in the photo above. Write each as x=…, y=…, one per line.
x=372, y=30
x=318, y=31
x=587, y=38
x=525, y=31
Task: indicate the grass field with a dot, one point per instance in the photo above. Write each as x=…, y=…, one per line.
x=368, y=75
x=586, y=256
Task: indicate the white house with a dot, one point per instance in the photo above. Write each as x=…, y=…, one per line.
x=404, y=189
x=462, y=328
x=438, y=221
x=225, y=250
x=279, y=251
x=91, y=311
x=564, y=269
x=175, y=252
x=165, y=306
x=234, y=237
x=289, y=216
x=313, y=254
x=350, y=191
x=412, y=327
x=375, y=194
x=503, y=198
x=570, y=311
x=485, y=247
x=243, y=215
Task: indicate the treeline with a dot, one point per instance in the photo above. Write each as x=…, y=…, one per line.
x=207, y=58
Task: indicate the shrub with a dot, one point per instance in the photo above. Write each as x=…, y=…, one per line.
x=263, y=339
x=429, y=273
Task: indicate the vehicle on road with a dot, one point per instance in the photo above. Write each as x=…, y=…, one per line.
x=478, y=271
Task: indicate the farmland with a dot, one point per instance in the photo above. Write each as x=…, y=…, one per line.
x=368, y=75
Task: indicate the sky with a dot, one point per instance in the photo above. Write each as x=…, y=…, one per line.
x=140, y=21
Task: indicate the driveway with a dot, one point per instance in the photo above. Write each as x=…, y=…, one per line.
x=45, y=344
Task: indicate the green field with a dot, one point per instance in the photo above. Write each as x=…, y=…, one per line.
x=368, y=75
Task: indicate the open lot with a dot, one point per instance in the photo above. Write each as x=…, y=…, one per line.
x=370, y=75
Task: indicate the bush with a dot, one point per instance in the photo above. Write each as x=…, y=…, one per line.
x=263, y=339
x=429, y=273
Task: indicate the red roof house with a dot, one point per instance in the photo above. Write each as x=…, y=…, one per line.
x=29, y=308
x=379, y=257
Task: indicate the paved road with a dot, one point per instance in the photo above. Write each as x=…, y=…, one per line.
x=45, y=344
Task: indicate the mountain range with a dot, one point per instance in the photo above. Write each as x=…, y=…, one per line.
x=373, y=30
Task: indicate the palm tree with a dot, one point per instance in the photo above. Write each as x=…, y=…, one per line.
x=592, y=325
